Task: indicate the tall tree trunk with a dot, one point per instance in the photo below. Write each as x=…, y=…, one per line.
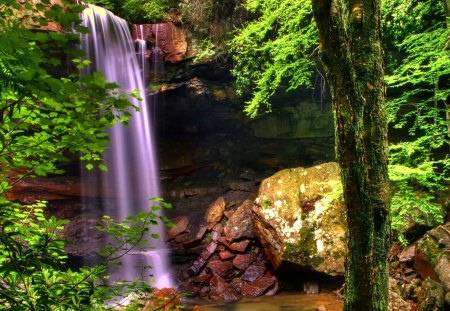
x=351, y=52
x=446, y=4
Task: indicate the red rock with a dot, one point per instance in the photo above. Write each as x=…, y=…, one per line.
x=226, y=255
x=219, y=267
x=242, y=261
x=240, y=224
x=200, y=262
x=237, y=283
x=171, y=40
x=240, y=246
x=193, y=241
x=214, y=212
x=202, y=279
x=258, y=287
x=221, y=290
x=254, y=271
x=181, y=225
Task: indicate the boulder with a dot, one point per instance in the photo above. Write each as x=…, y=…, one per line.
x=299, y=218
x=432, y=258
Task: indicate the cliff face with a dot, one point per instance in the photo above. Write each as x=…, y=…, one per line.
x=204, y=139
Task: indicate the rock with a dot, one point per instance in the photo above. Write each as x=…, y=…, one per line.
x=299, y=218
x=214, y=212
x=254, y=271
x=305, y=119
x=311, y=288
x=321, y=308
x=240, y=246
x=171, y=42
x=433, y=256
x=258, y=287
x=433, y=296
x=226, y=255
x=181, y=225
x=242, y=261
x=240, y=224
x=202, y=279
x=237, y=283
x=396, y=301
x=219, y=267
x=407, y=255
x=200, y=262
x=246, y=186
x=221, y=290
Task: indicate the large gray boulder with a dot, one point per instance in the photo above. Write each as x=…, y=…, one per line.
x=299, y=218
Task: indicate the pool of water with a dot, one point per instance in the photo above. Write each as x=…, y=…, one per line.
x=280, y=302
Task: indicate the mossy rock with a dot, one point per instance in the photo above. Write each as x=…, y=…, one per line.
x=300, y=218
x=432, y=258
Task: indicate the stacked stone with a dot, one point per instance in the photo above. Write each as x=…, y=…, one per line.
x=231, y=263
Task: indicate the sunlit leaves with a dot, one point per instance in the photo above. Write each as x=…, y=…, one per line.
x=272, y=50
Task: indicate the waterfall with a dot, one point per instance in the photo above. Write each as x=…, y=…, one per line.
x=133, y=176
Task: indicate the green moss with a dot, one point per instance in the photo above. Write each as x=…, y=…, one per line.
x=304, y=248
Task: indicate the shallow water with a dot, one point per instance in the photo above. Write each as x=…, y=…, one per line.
x=280, y=302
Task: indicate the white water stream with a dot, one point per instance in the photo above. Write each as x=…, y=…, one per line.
x=133, y=176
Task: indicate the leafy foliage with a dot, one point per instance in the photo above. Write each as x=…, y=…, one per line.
x=419, y=165
x=272, y=53
x=273, y=50
x=139, y=11
x=33, y=275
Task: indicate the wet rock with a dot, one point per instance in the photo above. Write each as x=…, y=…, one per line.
x=181, y=225
x=242, y=261
x=433, y=296
x=312, y=237
x=240, y=224
x=83, y=235
x=171, y=41
x=311, y=288
x=219, y=267
x=215, y=212
x=258, y=287
x=221, y=290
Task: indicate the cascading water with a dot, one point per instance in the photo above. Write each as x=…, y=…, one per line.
x=132, y=177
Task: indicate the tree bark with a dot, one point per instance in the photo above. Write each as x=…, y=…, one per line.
x=351, y=52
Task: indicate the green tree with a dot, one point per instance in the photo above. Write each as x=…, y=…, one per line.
x=418, y=72
x=352, y=55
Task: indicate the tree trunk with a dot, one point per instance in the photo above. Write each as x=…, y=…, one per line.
x=351, y=52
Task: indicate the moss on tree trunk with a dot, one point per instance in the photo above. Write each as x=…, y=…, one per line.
x=351, y=52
